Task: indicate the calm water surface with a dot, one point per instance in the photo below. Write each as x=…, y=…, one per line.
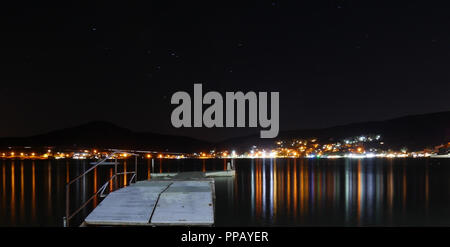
x=269, y=192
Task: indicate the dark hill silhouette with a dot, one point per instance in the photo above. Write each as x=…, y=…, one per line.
x=107, y=135
x=415, y=132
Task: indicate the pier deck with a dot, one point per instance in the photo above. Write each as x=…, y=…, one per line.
x=182, y=199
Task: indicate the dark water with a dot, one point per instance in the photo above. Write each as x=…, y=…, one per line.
x=293, y=192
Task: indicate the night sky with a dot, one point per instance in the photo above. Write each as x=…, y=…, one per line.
x=333, y=62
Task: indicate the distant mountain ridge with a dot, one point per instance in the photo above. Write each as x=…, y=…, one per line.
x=100, y=134
x=415, y=132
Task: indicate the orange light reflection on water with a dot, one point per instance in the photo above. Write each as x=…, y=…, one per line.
x=13, y=193
x=297, y=189
x=22, y=193
x=124, y=173
x=95, y=187
x=309, y=188
x=33, y=190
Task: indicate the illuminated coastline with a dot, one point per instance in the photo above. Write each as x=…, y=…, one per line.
x=359, y=147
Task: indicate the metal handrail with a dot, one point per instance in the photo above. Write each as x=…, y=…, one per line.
x=68, y=216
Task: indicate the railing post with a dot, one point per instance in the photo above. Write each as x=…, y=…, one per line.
x=135, y=168
x=115, y=174
x=64, y=221
x=153, y=165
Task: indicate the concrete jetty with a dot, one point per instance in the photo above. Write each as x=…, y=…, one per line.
x=182, y=199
